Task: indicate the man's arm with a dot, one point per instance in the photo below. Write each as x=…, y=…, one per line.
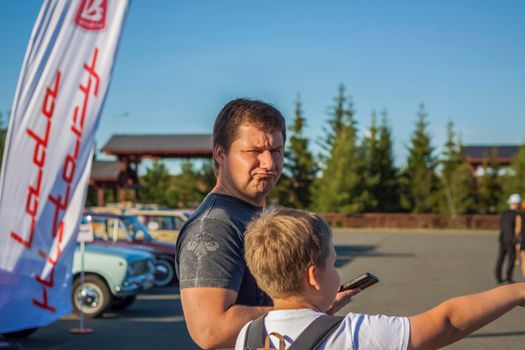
x=517, y=226
x=458, y=317
x=212, y=317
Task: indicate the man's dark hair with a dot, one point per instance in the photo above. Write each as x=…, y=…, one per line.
x=243, y=111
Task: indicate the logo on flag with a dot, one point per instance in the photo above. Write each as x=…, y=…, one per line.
x=91, y=14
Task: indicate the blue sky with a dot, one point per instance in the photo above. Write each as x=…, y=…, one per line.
x=180, y=61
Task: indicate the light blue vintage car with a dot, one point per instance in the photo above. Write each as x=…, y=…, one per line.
x=112, y=278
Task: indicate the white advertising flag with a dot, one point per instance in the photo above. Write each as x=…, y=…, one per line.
x=48, y=152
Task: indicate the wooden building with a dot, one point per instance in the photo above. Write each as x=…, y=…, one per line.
x=130, y=150
x=481, y=155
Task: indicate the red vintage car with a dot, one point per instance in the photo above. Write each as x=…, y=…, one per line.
x=127, y=231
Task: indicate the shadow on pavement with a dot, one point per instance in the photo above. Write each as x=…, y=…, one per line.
x=496, y=334
x=154, y=321
x=346, y=253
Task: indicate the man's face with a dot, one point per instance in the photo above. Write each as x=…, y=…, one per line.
x=253, y=164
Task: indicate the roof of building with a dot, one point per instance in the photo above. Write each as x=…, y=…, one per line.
x=160, y=145
x=104, y=170
x=488, y=151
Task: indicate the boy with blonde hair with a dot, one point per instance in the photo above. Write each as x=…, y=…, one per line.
x=292, y=258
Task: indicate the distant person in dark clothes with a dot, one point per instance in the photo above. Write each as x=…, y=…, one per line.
x=510, y=230
x=127, y=178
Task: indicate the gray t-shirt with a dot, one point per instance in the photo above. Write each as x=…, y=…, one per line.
x=210, y=249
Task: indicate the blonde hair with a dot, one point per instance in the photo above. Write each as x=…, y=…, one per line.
x=280, y=245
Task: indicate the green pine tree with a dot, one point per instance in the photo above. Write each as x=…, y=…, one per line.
x=458, y=184
x=300, y=167
x=335, y=123
x=387, y=191
x=419, y=180
x=381, y=193
x=371, y=167
x=340, y=187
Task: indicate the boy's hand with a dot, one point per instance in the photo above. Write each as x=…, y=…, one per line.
x=341, y=299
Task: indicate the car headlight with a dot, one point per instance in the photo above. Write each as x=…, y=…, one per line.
x=131, y=269
x=139, y=267
x=151, y=265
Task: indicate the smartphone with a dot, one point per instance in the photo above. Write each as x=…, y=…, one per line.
x=364, y=281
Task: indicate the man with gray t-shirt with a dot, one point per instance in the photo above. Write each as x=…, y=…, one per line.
x=213, y=245
x=218, y=293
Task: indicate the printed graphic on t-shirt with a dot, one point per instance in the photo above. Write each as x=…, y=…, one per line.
x=201, y=244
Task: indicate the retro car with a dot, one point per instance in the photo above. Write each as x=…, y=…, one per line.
x=128, y=232
x=164, y=224
x=112, y=278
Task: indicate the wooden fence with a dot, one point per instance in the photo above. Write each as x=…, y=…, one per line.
x=401, y=220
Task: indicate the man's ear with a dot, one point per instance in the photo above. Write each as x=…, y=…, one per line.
x=312, y=278
x=218, y=154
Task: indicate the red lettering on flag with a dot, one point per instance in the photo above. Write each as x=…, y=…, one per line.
x=39, y=160
x=44, y=304
x=61, y=201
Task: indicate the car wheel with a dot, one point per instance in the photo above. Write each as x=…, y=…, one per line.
x=164, y=273
x=20, y=334
x=92, y=298
x=122, y=303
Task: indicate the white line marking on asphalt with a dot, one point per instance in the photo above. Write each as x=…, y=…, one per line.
x=158, y=297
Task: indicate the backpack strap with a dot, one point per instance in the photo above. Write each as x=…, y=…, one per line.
x=313, y=335
x=316, y=332
x=255, y=334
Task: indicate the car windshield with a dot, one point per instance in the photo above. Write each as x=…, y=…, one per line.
x=136, y=229
x=108, y=228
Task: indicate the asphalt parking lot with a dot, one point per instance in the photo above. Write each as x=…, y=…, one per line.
x=417, y=270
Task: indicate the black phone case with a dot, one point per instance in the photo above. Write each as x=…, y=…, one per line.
x=364, y=281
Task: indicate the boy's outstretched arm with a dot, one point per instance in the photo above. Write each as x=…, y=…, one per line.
x=458, y=317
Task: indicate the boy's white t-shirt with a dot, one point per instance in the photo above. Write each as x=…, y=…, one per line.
x=356, y=331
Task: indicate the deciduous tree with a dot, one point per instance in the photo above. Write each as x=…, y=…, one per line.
x=155, y=184
x=186, y=190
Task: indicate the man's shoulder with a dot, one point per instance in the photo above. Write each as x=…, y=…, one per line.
x=207, y=229
x=216, y=219
x=230, y=210
x=509, y=214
